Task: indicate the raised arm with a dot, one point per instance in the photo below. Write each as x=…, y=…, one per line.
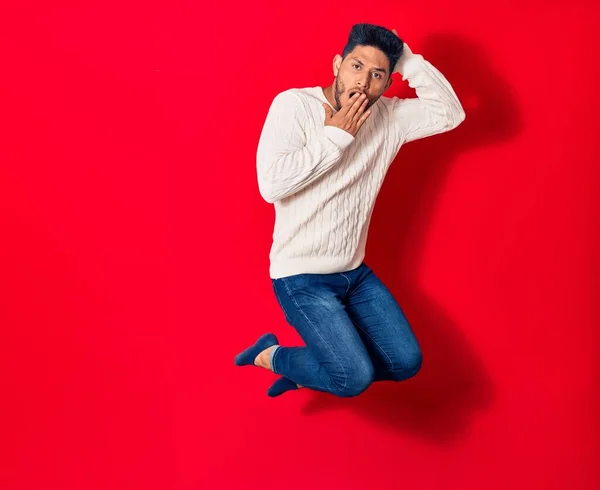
x=286, y=161
x=436, y=109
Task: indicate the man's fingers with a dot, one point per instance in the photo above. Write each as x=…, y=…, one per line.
x=356, y=105
x=361, y=108
x=351, y=116
x=345, y=109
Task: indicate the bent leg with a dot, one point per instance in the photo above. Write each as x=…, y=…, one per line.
x=384, y=329
x=335, y=360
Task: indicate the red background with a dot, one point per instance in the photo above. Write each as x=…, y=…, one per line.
x=134, y=253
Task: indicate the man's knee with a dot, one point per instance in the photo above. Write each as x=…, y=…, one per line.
x=356, y=379
x=409, y=364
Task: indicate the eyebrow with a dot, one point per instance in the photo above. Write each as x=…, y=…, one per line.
x=361, y=63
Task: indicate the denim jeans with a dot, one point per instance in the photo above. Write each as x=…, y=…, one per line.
x=354, y=330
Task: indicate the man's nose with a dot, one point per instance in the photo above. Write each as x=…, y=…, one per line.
x=363, y=83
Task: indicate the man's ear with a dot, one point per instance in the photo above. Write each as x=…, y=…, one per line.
x=337, y=62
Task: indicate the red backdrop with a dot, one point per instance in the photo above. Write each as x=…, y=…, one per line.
x=134, y=252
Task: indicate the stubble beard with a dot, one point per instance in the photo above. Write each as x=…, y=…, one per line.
x=338, y=90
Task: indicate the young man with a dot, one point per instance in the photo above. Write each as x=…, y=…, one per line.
x=322, y=158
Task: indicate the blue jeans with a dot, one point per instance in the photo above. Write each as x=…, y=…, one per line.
x=354, y=330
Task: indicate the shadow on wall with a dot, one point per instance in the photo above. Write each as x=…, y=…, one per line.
x=453, y=383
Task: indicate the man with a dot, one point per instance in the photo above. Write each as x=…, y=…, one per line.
x=322, y=158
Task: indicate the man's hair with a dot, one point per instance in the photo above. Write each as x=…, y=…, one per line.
x=378, y=37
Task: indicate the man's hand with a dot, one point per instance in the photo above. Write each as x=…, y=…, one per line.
x=406, y=54
x=350, y=117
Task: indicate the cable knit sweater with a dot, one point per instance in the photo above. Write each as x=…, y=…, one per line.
x=324, y=182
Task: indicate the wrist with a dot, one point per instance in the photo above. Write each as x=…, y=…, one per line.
x=338, y=136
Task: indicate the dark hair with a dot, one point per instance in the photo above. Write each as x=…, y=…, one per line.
x=378, y=37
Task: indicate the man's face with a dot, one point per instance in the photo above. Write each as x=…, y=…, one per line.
x=366, y=69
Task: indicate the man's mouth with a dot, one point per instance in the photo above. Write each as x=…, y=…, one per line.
x=351, y=94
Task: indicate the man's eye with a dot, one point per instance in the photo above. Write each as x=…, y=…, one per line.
x=377, y=75
x=356, y=65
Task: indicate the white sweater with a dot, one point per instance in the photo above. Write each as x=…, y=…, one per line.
x=324, y=182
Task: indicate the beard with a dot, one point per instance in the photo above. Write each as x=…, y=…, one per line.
x=339, y=89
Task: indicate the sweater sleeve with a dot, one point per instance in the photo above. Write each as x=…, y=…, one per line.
x=286, y=161
x=436, y=109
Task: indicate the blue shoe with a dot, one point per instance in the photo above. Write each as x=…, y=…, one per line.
x=280, y=386
x=246, y=357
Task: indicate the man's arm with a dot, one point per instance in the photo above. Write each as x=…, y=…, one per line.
x=286, y=164
x=436, y=108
